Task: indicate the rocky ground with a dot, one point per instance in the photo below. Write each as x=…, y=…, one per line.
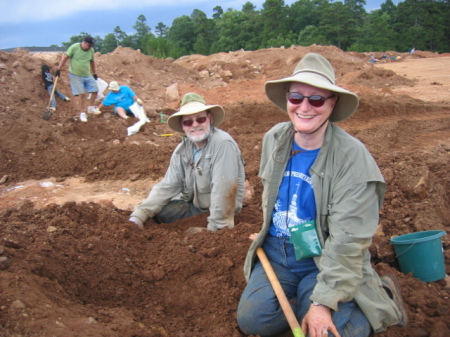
x=71, y=264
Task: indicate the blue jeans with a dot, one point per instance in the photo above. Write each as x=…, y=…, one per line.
x=176, y=210
x=259, y=312
x=57, y=93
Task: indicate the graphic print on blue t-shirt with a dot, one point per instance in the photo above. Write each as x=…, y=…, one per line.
x=295, y=201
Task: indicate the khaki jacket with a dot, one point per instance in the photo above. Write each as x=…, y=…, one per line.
x=349, y=191
x=214, y=183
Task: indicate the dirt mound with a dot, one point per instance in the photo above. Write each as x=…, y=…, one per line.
x=374, y=77
x=72, y=265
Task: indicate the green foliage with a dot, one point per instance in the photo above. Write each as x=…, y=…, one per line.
x=157, y=47
x=161, y=29
x=120, y=35
x=302, y=14
x=109, y=43
x=218, y=11
x=389, y=8
x=338, y=24
x=375, y=35
x=311, y=35
x=357, y=9
x=141, y=27
x=142, y=32
x=204, y=32
x=274, y=21
x=422, y=24
x=238, y=30
x=279, y=41
x=182, y=34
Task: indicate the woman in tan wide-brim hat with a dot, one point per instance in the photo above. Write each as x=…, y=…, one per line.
x=322, y=196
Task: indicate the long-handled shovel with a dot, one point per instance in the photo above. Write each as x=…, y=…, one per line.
x=48, y=113
x=285, y=306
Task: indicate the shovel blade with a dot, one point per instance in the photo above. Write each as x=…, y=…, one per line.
x=47, y=114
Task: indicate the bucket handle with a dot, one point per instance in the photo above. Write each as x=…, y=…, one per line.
x=406, y=250
x=442, y=233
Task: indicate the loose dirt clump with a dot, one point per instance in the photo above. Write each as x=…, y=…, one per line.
x=72, y=265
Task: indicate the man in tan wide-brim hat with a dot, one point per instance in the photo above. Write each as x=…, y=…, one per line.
x=206, y=171
x=322, y=195
x=192, y=104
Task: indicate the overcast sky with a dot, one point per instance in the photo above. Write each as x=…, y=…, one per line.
x=41, y=23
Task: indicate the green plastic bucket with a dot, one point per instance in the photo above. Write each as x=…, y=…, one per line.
x=421, y=254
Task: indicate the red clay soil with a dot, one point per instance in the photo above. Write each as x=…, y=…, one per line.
x=72, y=265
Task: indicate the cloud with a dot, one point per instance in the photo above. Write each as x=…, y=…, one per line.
x=19, y=11
x=44, y=10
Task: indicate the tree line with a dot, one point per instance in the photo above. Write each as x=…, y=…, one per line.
x=419, y=24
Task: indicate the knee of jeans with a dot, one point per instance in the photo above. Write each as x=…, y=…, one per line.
x=249, y=324
x=244, y=321
x=352, y=322
x=247, y=316
x=363, y=329
x=253, y=319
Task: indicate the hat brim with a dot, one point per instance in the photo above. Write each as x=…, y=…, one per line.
x=345, y=106
x=217, y=113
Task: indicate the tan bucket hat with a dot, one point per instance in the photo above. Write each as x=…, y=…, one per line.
x=113, y=85
x=315, y=70
x=191, y=104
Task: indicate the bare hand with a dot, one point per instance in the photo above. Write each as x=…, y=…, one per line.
x=317, y=322
x=253, y=236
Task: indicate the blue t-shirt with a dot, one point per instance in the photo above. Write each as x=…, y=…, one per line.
x=123, y=98
x=295, y=201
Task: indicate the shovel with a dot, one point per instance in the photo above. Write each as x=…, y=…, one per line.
x=48, y=113
x=285, y=306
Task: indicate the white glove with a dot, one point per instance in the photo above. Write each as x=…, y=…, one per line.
x=139, y=101
x=138, y=222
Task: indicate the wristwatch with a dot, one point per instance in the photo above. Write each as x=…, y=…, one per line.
x=317, y=304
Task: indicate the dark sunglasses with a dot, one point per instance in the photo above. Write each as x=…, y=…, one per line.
x=190, y=122
x=316, y=101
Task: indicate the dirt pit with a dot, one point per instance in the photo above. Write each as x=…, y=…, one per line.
x=72, y=265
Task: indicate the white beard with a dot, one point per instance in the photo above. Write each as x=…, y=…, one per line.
x=198, y=138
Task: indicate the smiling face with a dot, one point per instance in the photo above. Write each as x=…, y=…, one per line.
x=199, y=131
x=308, y=120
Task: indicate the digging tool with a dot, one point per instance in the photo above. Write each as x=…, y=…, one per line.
x=48, y=113
x=163, y=135
x=285, y=306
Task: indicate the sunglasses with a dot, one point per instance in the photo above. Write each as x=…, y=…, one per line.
x=190, y=122
x=316, y=101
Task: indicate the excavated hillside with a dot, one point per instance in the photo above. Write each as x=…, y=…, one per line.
x=72, y=265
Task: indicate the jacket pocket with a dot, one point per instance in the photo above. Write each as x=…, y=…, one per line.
x=202, y=174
